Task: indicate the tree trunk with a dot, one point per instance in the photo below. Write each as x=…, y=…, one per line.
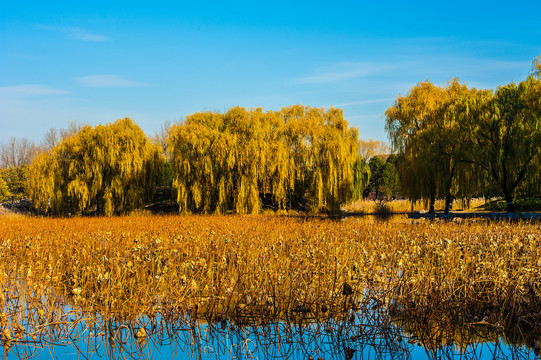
x=448, y=203
x=509, y=201
x=99, y=203
x=432, y=210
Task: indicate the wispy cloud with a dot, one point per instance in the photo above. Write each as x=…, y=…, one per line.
x=343, y=71
x=76, y=33
x=107, y=81
x=31, y=90
x=361, y=102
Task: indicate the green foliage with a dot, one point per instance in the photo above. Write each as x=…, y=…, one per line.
x=109, y=168
x=166, y=174
x=391, y=182
x=520, y=204
x=361, y=177
x=383, y=177
x=507, y=137
x=376, y=165
x=496, y=206
x=230, y=161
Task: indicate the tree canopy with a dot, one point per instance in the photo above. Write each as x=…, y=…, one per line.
x=239, y=159
x=507, y=138
x=450, y=141
x=4, y=189
x=455, y=141
x=424, y=138
x=110, y=169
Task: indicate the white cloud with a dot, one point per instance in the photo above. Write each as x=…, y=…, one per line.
x=371, y=101
x=344, y=71
x=107, y=81
x=30, y=90
x=76, y=33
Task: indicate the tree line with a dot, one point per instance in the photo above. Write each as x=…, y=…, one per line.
x=241, y=161
x=449, y=141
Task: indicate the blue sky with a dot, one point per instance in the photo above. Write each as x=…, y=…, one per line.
x=97, y=61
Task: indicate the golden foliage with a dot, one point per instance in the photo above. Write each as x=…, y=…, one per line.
x=110, y=168
x=371, y=147
x=230, y=161
x=454, y=141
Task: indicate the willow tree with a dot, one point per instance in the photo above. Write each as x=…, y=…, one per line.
x=361, y=177
x=110, y=169
x=508, y=137
x=226, y=161
x=410, y=124
x=323, y=152
x=235, y=161
x=430, y=128
x=452, y=140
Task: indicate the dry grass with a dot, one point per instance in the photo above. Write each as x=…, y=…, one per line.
x=248, y=269
x=403, y=206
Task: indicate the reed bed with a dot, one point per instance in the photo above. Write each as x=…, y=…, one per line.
x=263, y=269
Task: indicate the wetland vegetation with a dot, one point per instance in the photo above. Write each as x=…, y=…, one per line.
x=139, y=280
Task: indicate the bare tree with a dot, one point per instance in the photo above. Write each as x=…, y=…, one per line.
x=17, y=152
x=161, y=138
x=50, y=139
x=370, y=148
x=73, y=128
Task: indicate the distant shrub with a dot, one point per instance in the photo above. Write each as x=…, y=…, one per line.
x=522, y=204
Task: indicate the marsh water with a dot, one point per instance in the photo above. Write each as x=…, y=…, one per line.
x=355, y=335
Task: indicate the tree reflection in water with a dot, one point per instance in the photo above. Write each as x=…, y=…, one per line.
x=372, y=332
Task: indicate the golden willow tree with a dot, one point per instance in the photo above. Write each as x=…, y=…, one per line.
x=245, y=157
x=110, y=169
x=455, y=141
x=410, y=122
x=428, y=129
x=507, y=138
x=324, y=151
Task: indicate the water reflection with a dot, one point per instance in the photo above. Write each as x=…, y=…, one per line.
x=374, y=334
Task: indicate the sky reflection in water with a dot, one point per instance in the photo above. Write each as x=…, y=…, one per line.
x=357, y=336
